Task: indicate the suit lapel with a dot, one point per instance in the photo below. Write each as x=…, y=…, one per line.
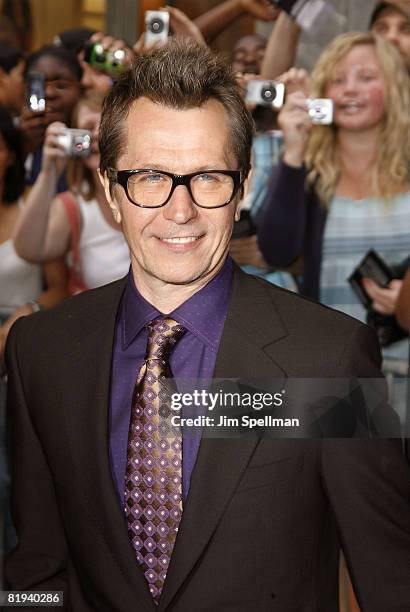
x=252, y=327
x=87, y=432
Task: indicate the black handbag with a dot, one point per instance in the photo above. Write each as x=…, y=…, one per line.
x=372, y=266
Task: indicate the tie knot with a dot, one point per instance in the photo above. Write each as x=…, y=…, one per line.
x=163, y=334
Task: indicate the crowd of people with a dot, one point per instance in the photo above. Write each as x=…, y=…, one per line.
x=319, y=198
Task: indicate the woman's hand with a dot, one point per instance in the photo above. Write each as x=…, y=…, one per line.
x=32, y=126
x=295, y=79
x=54, y=157
x=384, y=299
x=296, y=124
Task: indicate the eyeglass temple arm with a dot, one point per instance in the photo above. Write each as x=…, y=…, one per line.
x=111, y=174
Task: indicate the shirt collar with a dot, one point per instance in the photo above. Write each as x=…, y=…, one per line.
x=203, y=314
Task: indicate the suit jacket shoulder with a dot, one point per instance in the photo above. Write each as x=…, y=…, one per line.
x=304, y=338
x=308, y=339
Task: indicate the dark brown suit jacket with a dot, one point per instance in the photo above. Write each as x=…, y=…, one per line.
x=260, y=527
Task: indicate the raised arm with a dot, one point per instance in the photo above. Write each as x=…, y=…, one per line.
x=282, y=220
x=42, y=231
x=221, y=16
x=281, y=49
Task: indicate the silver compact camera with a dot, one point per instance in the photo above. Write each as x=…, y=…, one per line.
x=320, y=111
x=76, y=143
x=156, y=26
x=265, y=93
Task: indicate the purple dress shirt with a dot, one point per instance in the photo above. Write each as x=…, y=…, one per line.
x=203, y=316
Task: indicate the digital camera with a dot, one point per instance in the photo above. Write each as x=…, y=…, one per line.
x=110, y=61
x=76, y=143
x=156, y=26
x=265, y=93
x=36, y=95
x=320, y=111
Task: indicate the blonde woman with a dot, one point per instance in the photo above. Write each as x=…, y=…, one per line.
x=48, y=221
x=343, y=189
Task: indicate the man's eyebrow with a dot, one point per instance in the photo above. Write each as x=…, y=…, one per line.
x=165, y=168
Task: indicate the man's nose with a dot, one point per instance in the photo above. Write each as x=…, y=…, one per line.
x=180, y=208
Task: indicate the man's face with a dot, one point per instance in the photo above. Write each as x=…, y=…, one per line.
x=248, y=54
x=394, y=26
x=180, y=243
x=62, y=87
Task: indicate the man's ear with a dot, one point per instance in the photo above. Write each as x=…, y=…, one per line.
x=113, y=204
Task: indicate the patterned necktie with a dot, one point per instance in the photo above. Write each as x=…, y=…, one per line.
x=153, y=481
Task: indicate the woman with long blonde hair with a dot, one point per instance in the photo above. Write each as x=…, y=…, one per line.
x=343, y=189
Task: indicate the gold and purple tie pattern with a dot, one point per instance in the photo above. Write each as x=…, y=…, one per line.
x=153, y=479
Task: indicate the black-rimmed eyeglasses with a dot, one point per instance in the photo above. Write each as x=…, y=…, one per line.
x=149, y=188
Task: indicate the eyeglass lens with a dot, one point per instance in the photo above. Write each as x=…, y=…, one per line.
x=209, y=189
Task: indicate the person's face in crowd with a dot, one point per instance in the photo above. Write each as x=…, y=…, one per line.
x=12, y=87
x=63, y=89
x=248, y=54
x=93, y=79
x=89, y=119
x=358, y=90
x=394, y=26
x=179, y=243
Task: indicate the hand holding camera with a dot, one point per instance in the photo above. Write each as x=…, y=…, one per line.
x=265, y=93
x=297, y=118
x=107, y=55
x=62, y=143
x=159, y=25
x=156, y=27
x=295, y=79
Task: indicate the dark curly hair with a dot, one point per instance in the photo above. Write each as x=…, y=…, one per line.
x=14, y=178
x=63, y=55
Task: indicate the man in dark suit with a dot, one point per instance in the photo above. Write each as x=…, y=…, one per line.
x=115, y=511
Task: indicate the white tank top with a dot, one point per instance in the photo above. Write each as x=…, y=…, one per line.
x=104, y=253
x=20, y=281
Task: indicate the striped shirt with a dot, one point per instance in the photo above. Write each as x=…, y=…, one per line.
x=352, y=228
